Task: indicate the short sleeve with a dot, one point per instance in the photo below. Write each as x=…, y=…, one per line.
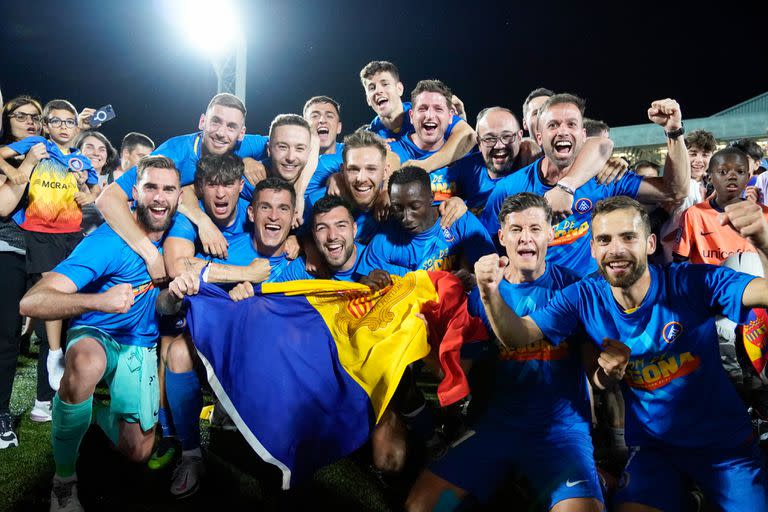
x=628, y=185
x=722, y=288
x=94, y=257
x=182, y=227
x=253, y=146
x=475, y=240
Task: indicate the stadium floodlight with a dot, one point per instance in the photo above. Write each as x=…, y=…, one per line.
x=213, y=28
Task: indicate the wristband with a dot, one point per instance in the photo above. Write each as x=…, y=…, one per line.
x=566, y=188
x=676, y=133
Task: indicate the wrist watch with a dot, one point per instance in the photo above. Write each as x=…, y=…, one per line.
x=676, y=133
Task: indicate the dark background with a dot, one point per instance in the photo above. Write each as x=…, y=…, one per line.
x=618, y=56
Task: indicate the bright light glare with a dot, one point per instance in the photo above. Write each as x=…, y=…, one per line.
x=211, y=26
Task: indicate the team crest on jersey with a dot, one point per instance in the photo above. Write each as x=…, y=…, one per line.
x=583, y=205
x=448, y=235
x=672, y=331
x=75, y=164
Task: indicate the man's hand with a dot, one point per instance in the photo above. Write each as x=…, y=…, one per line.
x=254, y=170
x=561, y=203
x=489, y=271
x=450, y=211
x=298, y=214
x=335, y=184
x=259, y=270
x=376, y=280
x=117, y=299
x=748, y=220
x=184, y=285
x=666, y=113
x=614, y=358
x=211, y=238
x=83, y=117
x=241, y=291
x=458, y=107
x=291, y=247
x=613, y=170
x=381, y=206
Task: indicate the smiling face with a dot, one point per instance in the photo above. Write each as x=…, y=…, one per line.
x=157, y=196
x=699, y=158
x=222, y=128
x=96, y=151
x=500, y=157
x=289, y=151
x=729, y=174
x=383, y=92
x=561, y=133
x=25, y=121
x=525, y=235
x=430, y=115
x=621, y=246
x=334, y=233
x=364, y=170
x=324, y=119
x=271, y=213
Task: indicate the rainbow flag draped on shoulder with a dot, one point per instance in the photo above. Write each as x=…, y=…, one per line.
x=306, y=368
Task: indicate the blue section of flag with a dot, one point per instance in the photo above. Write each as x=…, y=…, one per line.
x=275, y=367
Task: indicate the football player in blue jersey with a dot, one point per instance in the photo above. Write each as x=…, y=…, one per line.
x=562, y=138
x=106, y=287
x=323, y=113
x=383, y=91
x=253, y=257
x=222, y=130
x=414, y=239
x=537, y=421
x=653, y=330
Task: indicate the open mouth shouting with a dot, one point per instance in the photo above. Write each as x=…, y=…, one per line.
x=272, y=233
x=381, y=102
x=499, y=157
x=526, y=254
x=563, y=148
x=618, y=268
x=220, y=208
x=429, y=129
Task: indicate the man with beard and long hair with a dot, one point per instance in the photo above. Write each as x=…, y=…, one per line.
x=106, y=289
x=653, y=329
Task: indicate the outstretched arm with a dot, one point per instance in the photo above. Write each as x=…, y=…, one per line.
x=459, y=143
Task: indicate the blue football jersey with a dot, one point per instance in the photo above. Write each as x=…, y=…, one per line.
x=405, y=149
x=470, y=180
x=676, y=390
x=182, y=227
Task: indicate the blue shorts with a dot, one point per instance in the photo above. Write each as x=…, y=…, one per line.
x=558, y=465
x=732, y=479
x=130, y=373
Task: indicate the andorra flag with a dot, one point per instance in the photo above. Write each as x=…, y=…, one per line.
x=306, y=368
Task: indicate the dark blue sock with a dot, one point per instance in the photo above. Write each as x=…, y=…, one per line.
x=165, y=421
x=185, y=401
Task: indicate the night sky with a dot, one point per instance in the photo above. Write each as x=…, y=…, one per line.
x=131, y=55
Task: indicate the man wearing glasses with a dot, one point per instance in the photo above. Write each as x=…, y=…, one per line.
x=562, y=136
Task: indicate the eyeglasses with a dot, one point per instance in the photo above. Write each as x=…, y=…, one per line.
x=23, y=116
x=490, y=140
x=725, y=172
x=56, y=122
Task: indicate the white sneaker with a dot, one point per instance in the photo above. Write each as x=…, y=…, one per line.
x=41, y=412
x=7, y=435
x=55, y=366
x=187, y=476
x=64, y=495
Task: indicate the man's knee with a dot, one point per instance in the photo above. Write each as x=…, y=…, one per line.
x=85, y=365
x=389, y=444
x=578, y=505
x=179, y=356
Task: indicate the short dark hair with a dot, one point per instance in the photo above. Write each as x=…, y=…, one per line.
x=133, y=139
x=563, y=99
x=612, y=204
x=328, y=203
x=321, y=99
x=647, y=163
x=750, y=147
x=594, y=127
x=58, y=105
x=536, y=93
x=218, y=170
x=378, y=66
x=288, y=120
x=156, y=161
x=728, y=151
x=363, y=139
x=701, y=139
x=410, y=174
x=113, y=159
x=226, y=99
x=274, y=183
x=8, y=109
x=521, y=202
x=432, y=86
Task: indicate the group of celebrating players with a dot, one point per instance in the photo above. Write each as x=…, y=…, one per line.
x=559, y=246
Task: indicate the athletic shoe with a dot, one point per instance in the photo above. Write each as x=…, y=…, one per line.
x=41, y=412
x=64, y=496
x=164, y=453
x=55, y=366
x=221, y=419
x=7, y=435
x=187, y=476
